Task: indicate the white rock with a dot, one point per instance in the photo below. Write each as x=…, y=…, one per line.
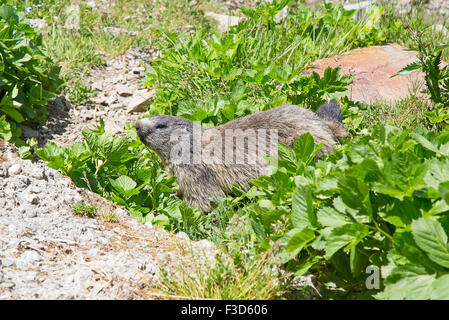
x=38, y=23
x=205, y=244
x=149, y=225
x=15, y=169
x=91, y=4
x=358, y=5
x=224, y=21
x=182, y=235
x=138, y=101
x=124, y=91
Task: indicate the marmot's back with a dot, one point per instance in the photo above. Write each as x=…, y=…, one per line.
x=291, y=121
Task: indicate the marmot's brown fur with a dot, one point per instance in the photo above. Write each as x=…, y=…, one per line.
x=206, y=163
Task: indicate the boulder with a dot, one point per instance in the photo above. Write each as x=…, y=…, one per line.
x=373, y=68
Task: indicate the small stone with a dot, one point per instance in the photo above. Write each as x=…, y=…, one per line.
x=224, y=21
x=205, y=244
x=138, y=70
x=27, y=259
x=104, y=241
x=7, y=262
x=28, y=132
x=97, y=85
x=14, y=169
x=110, y=100
x=37, y=173
x=91, y=4
x=359, y=5
x=182, y=235
x=35, y=189
x=28, y=197
x=112, y=127
x=149, y=225
x=24, y=180
x=139, y=100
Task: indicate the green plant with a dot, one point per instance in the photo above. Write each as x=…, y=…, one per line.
x=78, y=92
x=109, y=216
x=28, y=78
x=436, y=78
x=85, y=210
x=380, y=201
x=256, y=65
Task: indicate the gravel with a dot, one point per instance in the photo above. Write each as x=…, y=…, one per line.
x=46, y=252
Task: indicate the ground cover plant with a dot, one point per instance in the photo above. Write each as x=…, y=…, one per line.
x=369, y=221
x=28, y=77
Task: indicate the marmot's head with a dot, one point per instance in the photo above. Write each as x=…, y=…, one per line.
x=168, y=136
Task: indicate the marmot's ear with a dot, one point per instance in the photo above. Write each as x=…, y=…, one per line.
x=330, y=111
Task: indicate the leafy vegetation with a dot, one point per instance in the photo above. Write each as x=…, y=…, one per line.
x=257, y=64
x=28, y=78
x=373, y=203
x=436, y=78
x=83, y=209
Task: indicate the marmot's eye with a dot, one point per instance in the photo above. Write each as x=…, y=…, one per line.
x=161, y=126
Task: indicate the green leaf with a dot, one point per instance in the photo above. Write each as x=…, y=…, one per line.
x=430, y=237
x=329, y=217
x=8, y=13
x=124, y=182
x=303, y=214
x=304, y=147
x=440, y=288
x=348, y=236
x=411, y=68
x=410, y=283
x=49, y=152
x=12, y=113
x=299, y=239
x=5, y=129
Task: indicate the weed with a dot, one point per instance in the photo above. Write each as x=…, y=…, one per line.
x=84, y=210
x=109, y=216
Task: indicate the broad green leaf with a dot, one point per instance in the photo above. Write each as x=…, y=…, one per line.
x=440, y=288
x=304, y=147
x=299, y=239
x=430, y=237
x=409, y=252
x=125, y=182
x=12, y=113
x=329, y=217
x=303, y=214
x=411, y=283
x=348, y=236
x=425, y=143
x=5, y=129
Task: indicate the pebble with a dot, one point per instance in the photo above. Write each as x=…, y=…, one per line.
x=7, y=262
x=182, y=235
x=14, y=169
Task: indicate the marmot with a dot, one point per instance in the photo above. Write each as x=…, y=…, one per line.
x=207, y=161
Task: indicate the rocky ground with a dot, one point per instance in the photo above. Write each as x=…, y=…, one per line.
x=47, y=252
x=120, y=98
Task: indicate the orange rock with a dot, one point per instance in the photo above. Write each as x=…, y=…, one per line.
x=373, y=68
